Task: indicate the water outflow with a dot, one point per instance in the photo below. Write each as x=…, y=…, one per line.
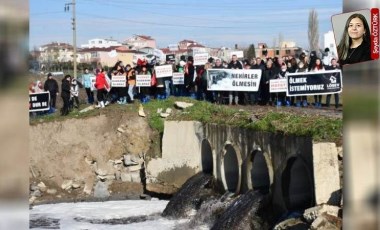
x=195, y=191
x=243, y=213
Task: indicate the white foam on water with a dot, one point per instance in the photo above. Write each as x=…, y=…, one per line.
x=68, y=212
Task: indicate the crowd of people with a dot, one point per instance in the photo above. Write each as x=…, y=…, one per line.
x=195, y=83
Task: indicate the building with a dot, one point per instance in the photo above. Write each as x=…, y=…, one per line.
x=182, y=45
x=329, y=42
x=56, y=52
x=101, y=43
x=288, y=48
x=140, y=41
x=108, y=56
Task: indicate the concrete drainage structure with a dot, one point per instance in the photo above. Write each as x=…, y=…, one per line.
x=295, y=171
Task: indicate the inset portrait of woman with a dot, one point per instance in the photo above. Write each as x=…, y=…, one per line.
x=355, y=40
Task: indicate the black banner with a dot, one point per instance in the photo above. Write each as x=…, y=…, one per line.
x=39, y=101
x=314, y=83
x=170, y=57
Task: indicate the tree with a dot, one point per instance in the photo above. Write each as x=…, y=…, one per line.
x=313, y=32
x=251, y=52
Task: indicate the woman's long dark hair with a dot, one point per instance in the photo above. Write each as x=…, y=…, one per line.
x=346, y=41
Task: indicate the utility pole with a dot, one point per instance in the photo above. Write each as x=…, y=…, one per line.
x=74, y=35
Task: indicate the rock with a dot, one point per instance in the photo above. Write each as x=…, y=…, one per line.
x=34, y=187
x=120, y=130
x=36, y=193
x=130, y=160
x=32, y=199
x=134, y=168
x=311, y=214
x=51, y=191
x=154, y=199
x=141, y=111
x=326, y=221
x=91, y=107
x=145, y=197
x=183, y=105
x=164, y=115
x=159, y=110
x=66, y=185
x=89, y=161
x=88, y=186
x=101, y=172
x=118, y=162
x=42, y=187
x=101, y=190
x=117, y=175
x=292, y=223
x=106, y=177
x=76, y=185
x=168, y=110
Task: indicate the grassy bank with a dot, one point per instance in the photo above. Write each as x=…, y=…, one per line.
x=297, y=122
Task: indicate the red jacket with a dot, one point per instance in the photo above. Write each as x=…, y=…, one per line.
x=101, y=81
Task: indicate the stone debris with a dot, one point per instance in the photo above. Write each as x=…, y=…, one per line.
x=101, y=190
x=67, y=184
x=291, y=223
x=42, y=187
x=183, y=105
x=326, y=221
x=51, y=191
x=101, y=172
x=91, y=107
x=119, y=161
x=36, y=193
x=34, y=187
x=168, y=110
x=141, y=111
x=159, y=110
x=76, y=185
x=32, y=199
x=125, y=177
x=311, y=214
x=130, y=160
x=134, y=168
x=120, y=130
x=340, y=151
x=164, y=115
x=88, y=187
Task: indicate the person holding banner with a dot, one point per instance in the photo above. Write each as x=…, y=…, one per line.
x=281, y=97
x=301, y=67
x=65, y=94
x=131, y=80
x=268, y=74
x=334, y=65
x=145, y=91
x=189, y=76
x=51, y=85
x=318, y=66
x=234, y=64
x=102, y=87
x=87, y=82
x=354, y=45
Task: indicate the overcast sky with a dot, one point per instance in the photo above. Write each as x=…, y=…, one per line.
x=213, y=23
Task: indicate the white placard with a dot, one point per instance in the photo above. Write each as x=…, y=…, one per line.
x=278, y=85
x=119, y=81
x=233, y=79
x=143, y=80
x=200, y=59
x=93, y=81
x=178, y=79
x=163, y=71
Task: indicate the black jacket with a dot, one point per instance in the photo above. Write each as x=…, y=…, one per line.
x=358, y=54
x=51, y=85
x=236, y=65
x=65, y=88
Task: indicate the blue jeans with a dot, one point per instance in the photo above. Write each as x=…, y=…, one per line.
x=167, y=87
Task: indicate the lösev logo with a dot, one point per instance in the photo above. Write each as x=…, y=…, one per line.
x=375, y=33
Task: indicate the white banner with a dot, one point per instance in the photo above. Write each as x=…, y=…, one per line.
x=278, y=85
x=164, y=71
x=119, y=81
x=143, y=80
x=233, y=79
x=200, y=59
x=178, y=79
x=93, y=81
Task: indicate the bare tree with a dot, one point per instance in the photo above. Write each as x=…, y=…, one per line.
x=280, y=41
x=313, y=32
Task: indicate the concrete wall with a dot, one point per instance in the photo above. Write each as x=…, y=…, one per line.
x=296, y=172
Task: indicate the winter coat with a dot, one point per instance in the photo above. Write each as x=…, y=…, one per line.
x=65, y=88
x=101, y=82
x=86, y=80
x=51, y=85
